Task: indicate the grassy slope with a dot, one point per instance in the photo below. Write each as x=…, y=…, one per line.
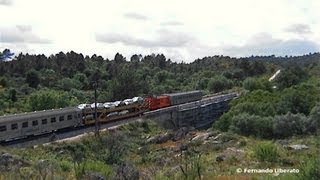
x=160, y=161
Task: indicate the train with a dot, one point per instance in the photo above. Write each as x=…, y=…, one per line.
x=23, y=125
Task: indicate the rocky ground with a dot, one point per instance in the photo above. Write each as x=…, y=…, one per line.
x=145, y=151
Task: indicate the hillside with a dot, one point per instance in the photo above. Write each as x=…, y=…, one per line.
x=272, y=125
x=145, y=151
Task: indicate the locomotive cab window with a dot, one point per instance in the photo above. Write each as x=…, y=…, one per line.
x=69, y=117
x=3, y=128
x=25, y=124
x=61, y=118
x=14, y=126
x=35, y=123
x=53, y=120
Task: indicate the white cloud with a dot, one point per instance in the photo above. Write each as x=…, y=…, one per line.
x=265, y=44
x=299, y=29
x=165, y=39
x=172, y=23
x=136, y=16
x=20, y=34
x=194, y=29
x=6, y=2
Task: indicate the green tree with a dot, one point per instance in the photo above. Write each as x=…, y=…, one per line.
x=252, y=84
x=49, y=99
x=67, y=84
x=289, y=124
x=33, y=78
x=252, y=125
x=298, y=99
x=3, y=82
x=219, y=83
x=13, y=95
x=291, y=76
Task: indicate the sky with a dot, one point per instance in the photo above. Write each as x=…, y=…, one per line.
x=182, y=30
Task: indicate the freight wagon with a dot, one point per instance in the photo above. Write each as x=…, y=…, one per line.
x=35, y=123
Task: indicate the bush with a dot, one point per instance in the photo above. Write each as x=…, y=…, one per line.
x=116, y=147
x=98, y=167
x=309, y=169
x=219, y=83
x=48, y=99
x=290, y=124
x=223, y=122
x=126, y=171
x=298, y=99
x=252, y=125
x=314, y=119
x=252, y=84
x=266, y=152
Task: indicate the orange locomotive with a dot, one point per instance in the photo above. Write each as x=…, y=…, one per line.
x=165, y=100
x=157, y=102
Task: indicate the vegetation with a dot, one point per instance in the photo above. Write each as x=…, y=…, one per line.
x=266, y=152
x=73, y=75
x=128, y=153
x=256, y=132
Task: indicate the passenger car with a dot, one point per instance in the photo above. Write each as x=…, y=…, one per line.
x=38, y=122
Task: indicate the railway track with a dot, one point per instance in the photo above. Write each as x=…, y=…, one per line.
x=72, y=132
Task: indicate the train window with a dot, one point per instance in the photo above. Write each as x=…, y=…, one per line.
x=61, y=118
x=35, y=123
x=69, y=117
x=3, y=128
x=53, y=119
x=44, y=121
x=14, y=126
x=25, y=124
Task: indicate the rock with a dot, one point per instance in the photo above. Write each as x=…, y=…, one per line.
x=230, y=153
x=201, y=137
x=283, y=142
x=235, y=150
x=152, y=139
x=216, y=137
x=297, y=147
x=158, y=139
x=181, y=133
x=9, y=163
x=220, y=158
x=183, y=147
x=94, y=176
x=160, y=161
x=216, y=142
x=164, y=138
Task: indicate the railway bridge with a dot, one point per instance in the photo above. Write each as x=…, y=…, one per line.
x=198, y=114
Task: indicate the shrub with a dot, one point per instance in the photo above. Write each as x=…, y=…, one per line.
x=266, y=152
x=252, y=125
x=298, y=99
x=314, y=119
x=223, y=122
x=126, y=171
x=289, y=124
x=116, y=147
x=309, y=169
x=98, y=167
x=219, y=83
x=252, y=84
